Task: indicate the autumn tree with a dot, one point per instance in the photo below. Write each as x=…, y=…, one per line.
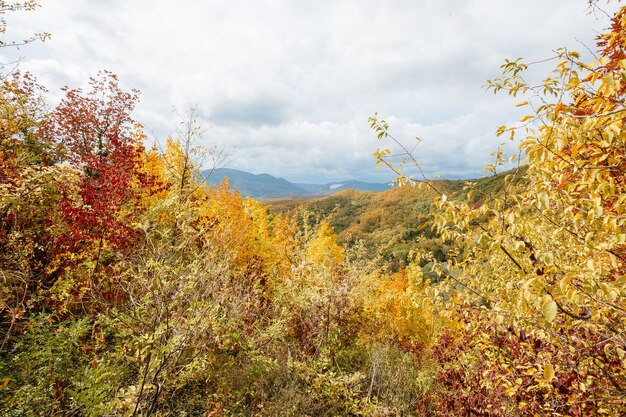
x=27, y=197
x=96, y=132
x=540, y=288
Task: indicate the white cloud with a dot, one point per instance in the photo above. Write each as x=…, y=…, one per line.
x=290, y=84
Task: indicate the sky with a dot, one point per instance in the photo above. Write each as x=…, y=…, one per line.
x=286, y=87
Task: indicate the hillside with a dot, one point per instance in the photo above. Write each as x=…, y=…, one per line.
x=390, y=222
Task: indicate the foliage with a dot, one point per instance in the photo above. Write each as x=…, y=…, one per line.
x=94, y=131
x=28, y=189
x=390, y=223
x=129, y=287
x=540, y=288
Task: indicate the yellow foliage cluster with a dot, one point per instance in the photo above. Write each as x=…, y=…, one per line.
x=545, y=267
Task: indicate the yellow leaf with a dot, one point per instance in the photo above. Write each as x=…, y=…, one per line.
x=549, y=311
x=548, y=372
x=558, y=109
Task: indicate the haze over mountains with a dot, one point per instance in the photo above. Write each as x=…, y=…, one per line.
x=268, y=187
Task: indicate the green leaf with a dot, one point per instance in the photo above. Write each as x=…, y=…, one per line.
x=549, y=311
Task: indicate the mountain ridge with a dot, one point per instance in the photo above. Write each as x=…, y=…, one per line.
x=268, y=187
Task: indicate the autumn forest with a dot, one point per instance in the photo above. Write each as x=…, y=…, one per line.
x=128, y=287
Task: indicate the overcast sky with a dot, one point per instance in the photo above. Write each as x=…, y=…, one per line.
x=288, y=86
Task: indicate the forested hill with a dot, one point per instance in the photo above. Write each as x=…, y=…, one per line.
x=391, y=223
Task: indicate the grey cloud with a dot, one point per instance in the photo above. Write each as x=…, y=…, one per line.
x=255, y=113
x=290, y=84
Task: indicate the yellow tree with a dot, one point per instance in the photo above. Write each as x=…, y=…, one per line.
x=541, y=288
x=323, y=249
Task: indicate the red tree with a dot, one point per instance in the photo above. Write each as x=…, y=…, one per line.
x=96, y=131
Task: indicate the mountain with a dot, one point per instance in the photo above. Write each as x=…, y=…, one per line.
x=268, y=187
x=261, y=186
x=334, y=187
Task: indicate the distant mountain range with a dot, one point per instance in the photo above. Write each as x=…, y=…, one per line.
x=268, y=187
x=334, y=187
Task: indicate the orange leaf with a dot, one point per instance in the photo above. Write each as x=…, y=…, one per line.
x=558, y=109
